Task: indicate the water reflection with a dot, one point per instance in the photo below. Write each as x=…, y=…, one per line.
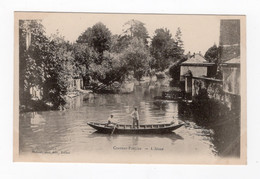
x=68, y=130
x=135, y=137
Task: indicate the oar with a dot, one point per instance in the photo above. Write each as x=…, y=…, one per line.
x=183, y=122
x=113, y=130
x=116, y=124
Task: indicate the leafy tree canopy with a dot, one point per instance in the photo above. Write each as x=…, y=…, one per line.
x=135, y=28
x=119, y=43
x=137, y=57
x=212, y=54
x=178, y=37
x=164, y=50
x=98, y=37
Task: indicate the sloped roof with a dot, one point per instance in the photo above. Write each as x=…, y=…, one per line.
x=196, y=59
x=233, y=60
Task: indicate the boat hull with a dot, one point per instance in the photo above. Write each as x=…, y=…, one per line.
x=127, y=129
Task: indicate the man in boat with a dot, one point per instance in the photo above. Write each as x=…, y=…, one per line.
x=110, y=121
x=135, y=117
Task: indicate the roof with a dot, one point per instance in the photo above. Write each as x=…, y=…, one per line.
x=232, y=62
x=197, y=60
x=209, y=79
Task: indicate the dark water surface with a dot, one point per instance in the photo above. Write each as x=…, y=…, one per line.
x=68, y=132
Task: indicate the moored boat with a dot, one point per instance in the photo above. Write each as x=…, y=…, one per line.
x=128, y=129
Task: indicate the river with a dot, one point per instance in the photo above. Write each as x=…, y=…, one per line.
x=67, y=131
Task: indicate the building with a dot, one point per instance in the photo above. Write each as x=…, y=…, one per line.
x=75, y=83
x=227, y=89
x=195, y=66
x=36, y=92
x=231, y=82
x=229, y=40
x=198, y=66
x=230, y=57
x=198, y=74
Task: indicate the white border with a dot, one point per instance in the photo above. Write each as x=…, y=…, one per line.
x=8, y=169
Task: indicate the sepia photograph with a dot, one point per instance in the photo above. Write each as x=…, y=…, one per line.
x=130, y=88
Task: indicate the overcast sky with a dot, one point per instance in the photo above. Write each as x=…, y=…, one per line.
x=199, y=32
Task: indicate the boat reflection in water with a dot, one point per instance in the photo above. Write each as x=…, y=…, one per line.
x=141, y=141
x=172, y=136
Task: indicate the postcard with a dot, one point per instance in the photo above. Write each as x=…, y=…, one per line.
x=130, y=88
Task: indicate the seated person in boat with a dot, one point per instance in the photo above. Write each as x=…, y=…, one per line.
x=110, y=121
x=135, y=117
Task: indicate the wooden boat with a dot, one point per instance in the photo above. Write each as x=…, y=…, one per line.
x=128, y=129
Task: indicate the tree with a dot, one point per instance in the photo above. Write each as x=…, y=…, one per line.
x=101, y=37
x=44, y=62
x=84, y=56
x=86, y=37
x=98, y=37
x=113, y=68
x=178, y=39
x=212, y=54
x=119, y=43
x=164, y=50
x=33, y=51
x=59, y=69
x=135, y=28
x=137, y=58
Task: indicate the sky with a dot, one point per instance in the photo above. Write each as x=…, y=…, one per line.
x=199, y=32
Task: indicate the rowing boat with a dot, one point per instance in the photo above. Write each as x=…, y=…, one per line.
x=128, y=129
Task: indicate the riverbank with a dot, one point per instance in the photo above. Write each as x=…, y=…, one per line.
x=40, y=105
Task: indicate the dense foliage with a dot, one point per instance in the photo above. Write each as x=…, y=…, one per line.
x=164, y=49
x=212, y=54
x=46, y=63
x=137, y=29
x=97, y=57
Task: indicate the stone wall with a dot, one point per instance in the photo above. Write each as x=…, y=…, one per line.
x=214, y=90
x=213, y=87
x=231, y=80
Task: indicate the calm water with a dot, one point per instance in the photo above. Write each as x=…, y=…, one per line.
x=68, y=132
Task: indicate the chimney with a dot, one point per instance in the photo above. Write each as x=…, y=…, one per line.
x=188, y=55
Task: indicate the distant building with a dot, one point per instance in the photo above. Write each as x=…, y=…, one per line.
x=197, y=65
x=75, y=83
x=197, y=73
x=36, y=93
x=231, y=82
x=230, y=57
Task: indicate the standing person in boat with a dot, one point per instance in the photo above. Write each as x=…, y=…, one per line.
x=135, y=117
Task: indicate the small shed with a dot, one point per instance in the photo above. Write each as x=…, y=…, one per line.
x=198, y=66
